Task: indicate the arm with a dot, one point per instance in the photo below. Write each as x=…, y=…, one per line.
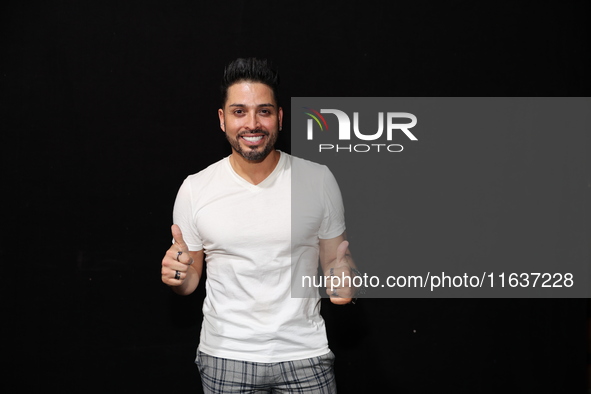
x=336, y=260
x=188, y=264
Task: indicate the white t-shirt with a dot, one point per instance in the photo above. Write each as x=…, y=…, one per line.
x=249, y=238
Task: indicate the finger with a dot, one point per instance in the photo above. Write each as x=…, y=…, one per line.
x=342, y=253
x=170, y=260
x=177, y=234
x=340, y=292
x=175, y=258
x=337, y=299
x=170, y=276
x=340, y=301
x=178, y=275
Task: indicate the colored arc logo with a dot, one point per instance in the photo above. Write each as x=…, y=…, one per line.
x=315, y=116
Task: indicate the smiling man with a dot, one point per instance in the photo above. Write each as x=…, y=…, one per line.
x=252, y=121
x=236, y=215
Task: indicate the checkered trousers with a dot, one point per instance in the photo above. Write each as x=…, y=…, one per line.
x=311, y=375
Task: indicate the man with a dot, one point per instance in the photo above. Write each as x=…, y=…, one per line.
x=237, y=214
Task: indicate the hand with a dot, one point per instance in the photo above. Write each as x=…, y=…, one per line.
x=340, y=282
x=176, y=261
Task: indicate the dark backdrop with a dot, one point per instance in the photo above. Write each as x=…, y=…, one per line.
x=108, y=106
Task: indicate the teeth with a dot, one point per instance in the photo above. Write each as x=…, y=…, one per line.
x=253, y=139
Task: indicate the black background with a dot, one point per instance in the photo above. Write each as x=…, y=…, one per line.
x=108, y=106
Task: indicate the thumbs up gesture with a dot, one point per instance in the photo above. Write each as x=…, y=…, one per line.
x=339, y=277
x=177, y=260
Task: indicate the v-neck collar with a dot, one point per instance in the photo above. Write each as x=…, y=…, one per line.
x=261, y=185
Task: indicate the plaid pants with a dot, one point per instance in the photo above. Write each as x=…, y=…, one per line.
x=311, y=375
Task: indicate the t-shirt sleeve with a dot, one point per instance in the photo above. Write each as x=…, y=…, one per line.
x=184, y=217
x=333, y=223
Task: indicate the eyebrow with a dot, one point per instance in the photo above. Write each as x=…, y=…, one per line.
x=259, y=105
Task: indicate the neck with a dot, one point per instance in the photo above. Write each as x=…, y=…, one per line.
x=254, y=172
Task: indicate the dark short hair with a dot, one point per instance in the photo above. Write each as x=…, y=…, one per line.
x=249, y=70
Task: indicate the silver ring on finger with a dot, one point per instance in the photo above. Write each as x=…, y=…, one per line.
x=178, y=254
x=177, y=275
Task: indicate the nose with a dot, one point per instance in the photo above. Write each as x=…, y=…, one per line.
x=251, y=121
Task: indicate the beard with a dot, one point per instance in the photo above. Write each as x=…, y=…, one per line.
x=254, y=154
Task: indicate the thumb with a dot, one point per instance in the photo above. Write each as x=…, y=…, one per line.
x=177, y=234
x=342, y=253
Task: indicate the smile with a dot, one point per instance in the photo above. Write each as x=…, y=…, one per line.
x=253, y=139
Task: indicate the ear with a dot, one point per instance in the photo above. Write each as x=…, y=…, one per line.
x=222, y=122
x=280, y=115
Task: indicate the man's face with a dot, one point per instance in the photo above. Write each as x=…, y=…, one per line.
x=251, y=120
